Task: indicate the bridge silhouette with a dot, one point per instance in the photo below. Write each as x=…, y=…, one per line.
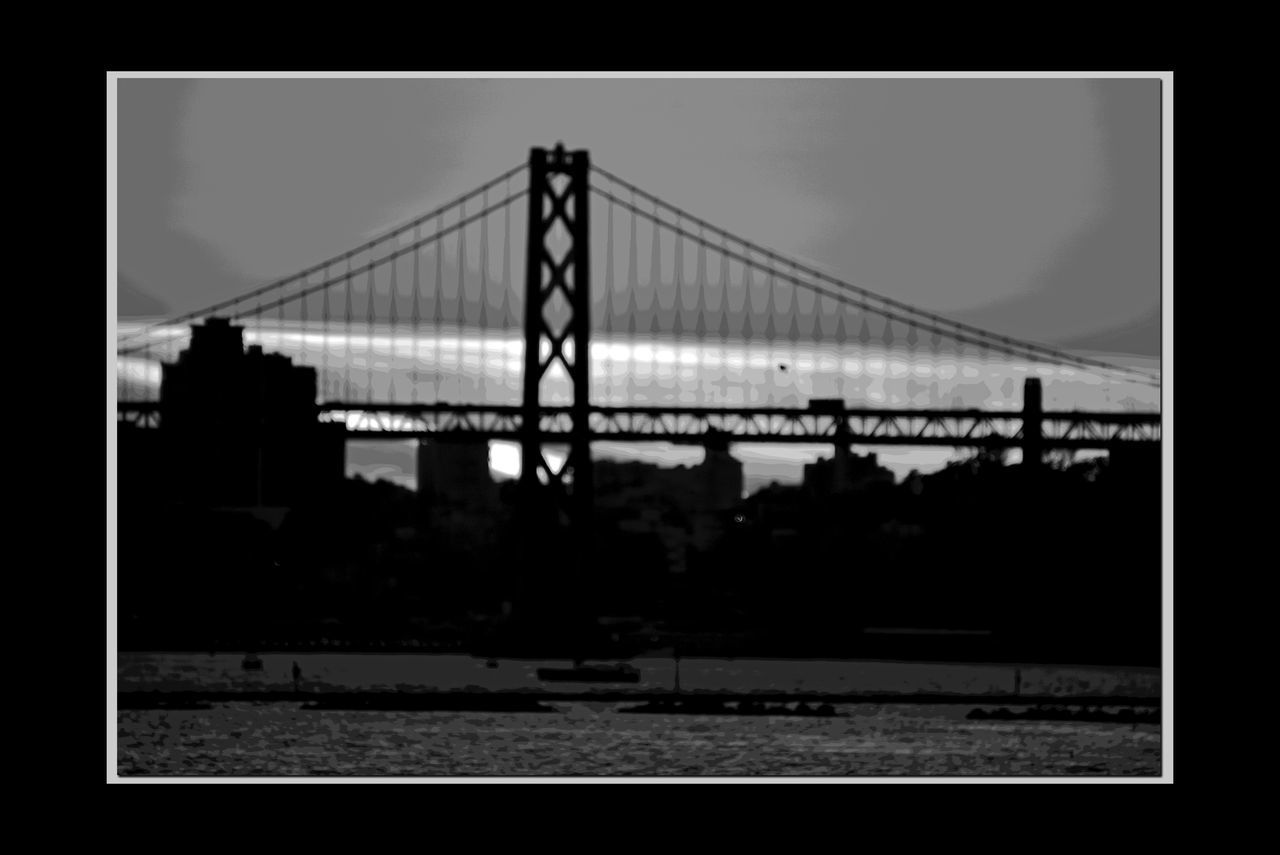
x=414, y=333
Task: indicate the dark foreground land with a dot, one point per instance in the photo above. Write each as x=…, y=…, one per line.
x=995, y=560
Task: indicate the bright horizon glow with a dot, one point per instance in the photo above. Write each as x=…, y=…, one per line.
x=799, y=369
x=657, y=373
x=762, y=464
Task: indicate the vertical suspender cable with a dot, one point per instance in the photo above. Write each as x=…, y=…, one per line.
x=394, y=320
x=325, y=386
x=508, y=305
x=607, y=362
x=486, y=342
x=416, y=316
x=683, y=288
x=302, y=322
x=346, y=338
x=369, y=321
x=655, y=276
x=436, y=308
x=508, y=297
x=460, y=304
x=280, y=318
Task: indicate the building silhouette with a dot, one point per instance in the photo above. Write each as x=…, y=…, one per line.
x=239, y=429
x=685, y=507
x=846, y=472
x=455, y=474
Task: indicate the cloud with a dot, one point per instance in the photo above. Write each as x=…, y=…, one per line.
x=1023, y=203
x=1106, y=277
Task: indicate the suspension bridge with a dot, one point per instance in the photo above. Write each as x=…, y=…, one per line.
x=637, y=321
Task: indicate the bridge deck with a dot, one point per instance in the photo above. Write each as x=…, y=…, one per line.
x=701, y=425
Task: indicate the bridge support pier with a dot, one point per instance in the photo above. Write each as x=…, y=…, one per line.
x=841, y=461
x=1032, y=425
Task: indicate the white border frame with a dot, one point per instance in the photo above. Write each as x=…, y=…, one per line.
x=1166, y=402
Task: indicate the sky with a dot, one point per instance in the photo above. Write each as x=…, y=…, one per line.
x=1030, y=207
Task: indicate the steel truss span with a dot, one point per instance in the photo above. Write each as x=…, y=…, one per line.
x=695, y=425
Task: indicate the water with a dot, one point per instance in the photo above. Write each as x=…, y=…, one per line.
x=598, y=738
x=412, y=671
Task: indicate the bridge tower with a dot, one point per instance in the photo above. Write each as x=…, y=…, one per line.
x=558, y=192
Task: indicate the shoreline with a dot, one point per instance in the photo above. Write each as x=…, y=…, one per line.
x=523, y=699
x=657, y=654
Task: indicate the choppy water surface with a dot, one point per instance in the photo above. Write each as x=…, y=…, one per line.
x=597, y=739
x=587, y=738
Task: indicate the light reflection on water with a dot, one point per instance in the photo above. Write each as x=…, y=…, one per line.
x=582, y=738
x=597, y=739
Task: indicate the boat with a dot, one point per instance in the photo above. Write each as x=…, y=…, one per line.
x=695, y=705
x=580, y=673
x=1133, y=716
x=251, y=662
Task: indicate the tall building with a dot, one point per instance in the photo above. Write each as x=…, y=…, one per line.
x=845, y=472
x=683, y=505
x=715, y=484
x=720, y=477
x=239, y=428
